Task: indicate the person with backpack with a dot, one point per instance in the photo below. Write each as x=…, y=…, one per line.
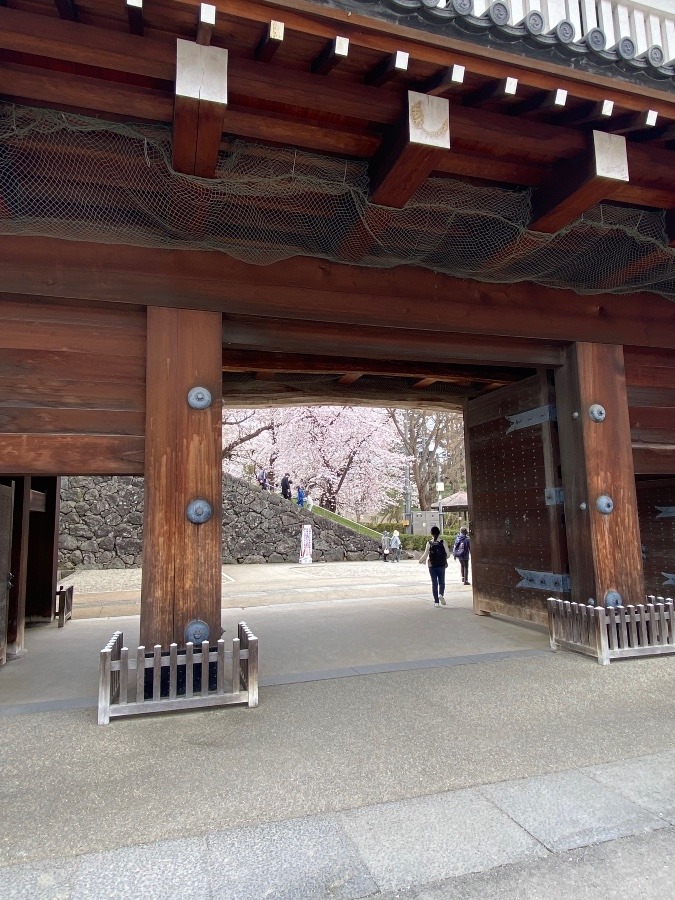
x=461, y=551
x=436, y=555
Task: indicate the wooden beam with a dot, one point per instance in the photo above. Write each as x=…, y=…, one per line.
x=541, y=102
x=269, y=43
x=353, y=368
x=504, y=88
x=60, y=454
x=587, y=113
x=206, y=22
x=598, y=477
x=182, y=464
x=407, y=297
x=199, y=107
x=586, y=183
x=38, y=501
x=389, y=68
x=402, y=166
x=66, y=9
x=350, y=377
x=335, y=52
x=654, y=459
x=631, y=122
x=445, y=82
x=424, y=383
x=135, y=16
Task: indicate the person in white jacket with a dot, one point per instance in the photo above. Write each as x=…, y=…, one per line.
x=436, y=555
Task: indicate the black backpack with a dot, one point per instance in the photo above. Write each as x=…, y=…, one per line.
x=437, y=554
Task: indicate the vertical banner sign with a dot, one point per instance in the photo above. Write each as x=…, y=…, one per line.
x=306, y=545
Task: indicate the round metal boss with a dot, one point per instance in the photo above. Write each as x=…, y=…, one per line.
x=613, y=598
x=199, y=398
x=196, y=631
x=597, y=412
x=604, y=504
x=199, y=511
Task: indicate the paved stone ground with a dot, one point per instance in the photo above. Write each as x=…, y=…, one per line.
x=398, y=752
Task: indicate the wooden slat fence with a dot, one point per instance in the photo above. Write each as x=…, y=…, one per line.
x=122, y=676
x=646, y=629
x=64, y=604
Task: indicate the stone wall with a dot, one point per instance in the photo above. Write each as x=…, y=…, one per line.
x=101, y=526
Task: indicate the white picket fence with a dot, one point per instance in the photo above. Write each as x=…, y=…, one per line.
x=122, y=679
x=648, y=24
x=647, y=629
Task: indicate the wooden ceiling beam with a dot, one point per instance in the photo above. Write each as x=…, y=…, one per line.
x=135, y=16
x=587, y=113
x=272, y=38
x=350, y=368
x=335, y=52
x=393, y=65
x=350, y=377
x=583, y=185
x=445, y=82
x=66, y=9
x=632, y=122
x=199, y=107
x=402, y=166
x=408, y=297
x=206, y=22
x=424, y=383
x=541, y=102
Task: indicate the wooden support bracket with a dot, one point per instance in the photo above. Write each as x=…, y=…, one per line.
x=424, y=383
x=542, y=102
x=199, y=107
x=588, y=113
x=335, y=52
x=629, y=123
x=504, y=88
x=135, y=14
x=350, y=377
x=447, y=81
x=404, y=164
x=206, y=22
x=270, y=41
x=66, y=9
x=584, y=184
x=390, y=67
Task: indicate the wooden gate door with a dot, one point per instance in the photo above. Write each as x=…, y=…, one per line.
x=656, y=509
x=6, y=511
x=519, y=552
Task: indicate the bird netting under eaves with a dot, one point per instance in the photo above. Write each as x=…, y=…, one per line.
x=68, y=176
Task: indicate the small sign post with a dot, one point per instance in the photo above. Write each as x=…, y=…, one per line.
x=306, y=545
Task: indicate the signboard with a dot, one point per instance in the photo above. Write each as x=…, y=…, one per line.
x=306, y=545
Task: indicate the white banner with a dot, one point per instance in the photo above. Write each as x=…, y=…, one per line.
x=306, y=545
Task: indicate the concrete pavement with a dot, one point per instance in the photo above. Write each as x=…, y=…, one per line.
x=398, y=751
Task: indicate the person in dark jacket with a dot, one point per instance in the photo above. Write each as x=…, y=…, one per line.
x=286, y=486
x=436, y=554
x=461, y=551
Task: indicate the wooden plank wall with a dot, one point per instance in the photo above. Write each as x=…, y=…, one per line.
x=650, y=378
x=72, y=387
x=657, y=533
x=512, y=527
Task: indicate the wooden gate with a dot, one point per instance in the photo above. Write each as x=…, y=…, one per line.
x=656, y=509
x=519, y=552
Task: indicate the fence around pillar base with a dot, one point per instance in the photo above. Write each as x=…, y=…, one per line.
x=122, y=695
x=646, y=629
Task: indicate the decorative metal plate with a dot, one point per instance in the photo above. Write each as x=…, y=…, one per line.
x=532, y=417
x=196, y=631
x=544, y=581
x=554, y=496
x=199, y=398
x=199, y=511
x=670, y=579
x=597, y=412
x=604, y=504
x=666, y=512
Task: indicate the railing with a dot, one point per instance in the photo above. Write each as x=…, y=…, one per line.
x=647, y=24
x=189, y=679
x=614, y=632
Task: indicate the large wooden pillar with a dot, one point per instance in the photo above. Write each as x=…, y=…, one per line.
x=601, y=517
x=181, y=558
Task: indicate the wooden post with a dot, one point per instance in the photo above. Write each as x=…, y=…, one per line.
x=597, y=470
x=16, y=619
x=43, y=548
x=181, y=559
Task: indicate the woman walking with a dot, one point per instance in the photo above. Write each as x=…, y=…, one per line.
x=436, y=555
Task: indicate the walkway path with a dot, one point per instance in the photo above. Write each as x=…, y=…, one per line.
x=454, y=757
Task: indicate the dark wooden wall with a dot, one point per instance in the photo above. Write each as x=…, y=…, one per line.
x=650, y=378
x=657, y=533
x=512, y=527
x=72, y=387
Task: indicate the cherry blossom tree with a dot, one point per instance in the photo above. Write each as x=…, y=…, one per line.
x=345, y=456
